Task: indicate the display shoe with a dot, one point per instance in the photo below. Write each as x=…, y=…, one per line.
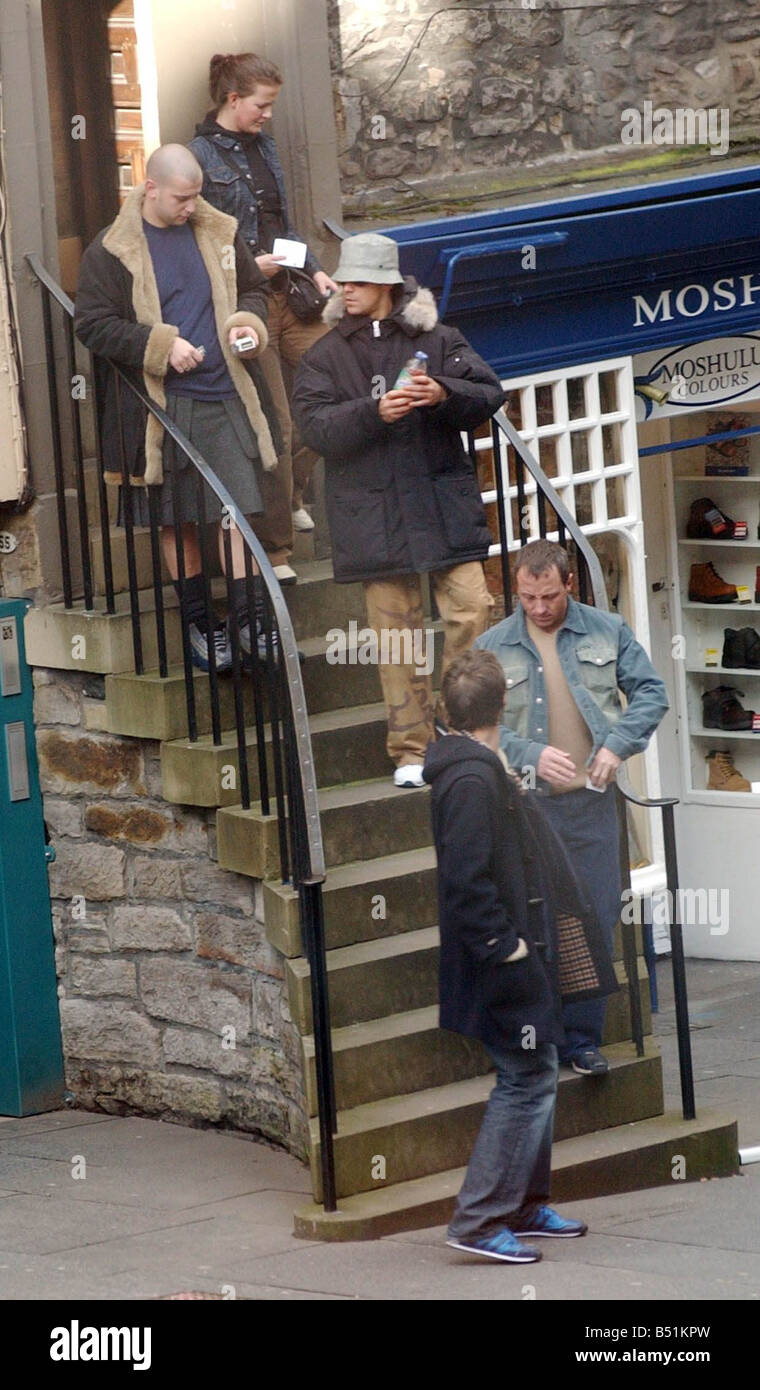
x=706, y=586
x=723, y=775
x=741, y=649
x=721, y=709
x=708, y=522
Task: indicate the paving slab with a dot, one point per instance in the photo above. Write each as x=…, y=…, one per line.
x=166, y=1209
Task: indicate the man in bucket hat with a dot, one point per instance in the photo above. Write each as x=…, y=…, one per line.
x=384, y=397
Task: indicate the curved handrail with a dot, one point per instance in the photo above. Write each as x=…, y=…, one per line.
x=653, y=803
x=305, y=761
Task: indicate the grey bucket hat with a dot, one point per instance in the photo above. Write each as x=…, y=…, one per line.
x=370, y=257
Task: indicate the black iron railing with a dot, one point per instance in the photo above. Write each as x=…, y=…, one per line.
x=267, y=688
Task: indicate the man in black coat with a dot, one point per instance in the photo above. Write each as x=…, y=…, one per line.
x=402, y=495
x=516, y=934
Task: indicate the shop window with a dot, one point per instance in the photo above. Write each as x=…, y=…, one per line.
x=576, y=398
x=579, y=452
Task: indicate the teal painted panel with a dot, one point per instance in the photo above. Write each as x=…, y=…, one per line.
x=31, y=1059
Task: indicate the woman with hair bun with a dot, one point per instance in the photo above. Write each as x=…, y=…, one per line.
x=242, y=175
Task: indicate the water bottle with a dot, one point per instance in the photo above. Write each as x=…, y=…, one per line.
x=417, y=365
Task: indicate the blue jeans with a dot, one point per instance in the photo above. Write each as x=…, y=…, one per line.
x=587, y=824
x=509, y=1174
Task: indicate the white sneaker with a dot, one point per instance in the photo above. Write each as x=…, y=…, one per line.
x=410, y=775
x=302, y=521
x=285, y=574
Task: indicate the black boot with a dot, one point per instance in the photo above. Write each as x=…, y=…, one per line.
x=734, y=648
x=722, y=710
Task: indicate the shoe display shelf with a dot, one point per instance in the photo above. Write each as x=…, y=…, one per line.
x=703, y=625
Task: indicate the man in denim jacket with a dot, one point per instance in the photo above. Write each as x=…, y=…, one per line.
x=565, y=664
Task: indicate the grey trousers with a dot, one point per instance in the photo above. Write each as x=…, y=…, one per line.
x=509, y=1174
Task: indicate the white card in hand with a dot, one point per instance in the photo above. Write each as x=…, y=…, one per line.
x=293, y=251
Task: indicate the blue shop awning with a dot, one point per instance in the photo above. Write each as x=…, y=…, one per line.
x=580, y=279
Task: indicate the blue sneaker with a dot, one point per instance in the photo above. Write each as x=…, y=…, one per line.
x=199, y=647
x=500, y=1245
x=548, y=1222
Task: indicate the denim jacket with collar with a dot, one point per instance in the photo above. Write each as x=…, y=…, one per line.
x=599, y=656
x=233, y=193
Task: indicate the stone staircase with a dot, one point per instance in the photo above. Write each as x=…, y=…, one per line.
x=409, y=1096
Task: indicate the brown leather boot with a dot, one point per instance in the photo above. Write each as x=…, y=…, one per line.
x=723, y=775
x=706, y=586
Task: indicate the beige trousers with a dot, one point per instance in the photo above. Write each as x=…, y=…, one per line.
x=394, y=605
x=282, y=489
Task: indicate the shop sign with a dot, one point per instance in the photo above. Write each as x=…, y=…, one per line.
x=696, y=376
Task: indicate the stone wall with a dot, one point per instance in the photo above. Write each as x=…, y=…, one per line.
x=426, y=91
x=173, y=1004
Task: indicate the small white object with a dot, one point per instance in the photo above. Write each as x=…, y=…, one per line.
x=8, y=542
x=755, y=787
x=591, y=788
x=302, y=521
x=410, y=775
x=750, y=1155
x=284, y=574
x=294, y=252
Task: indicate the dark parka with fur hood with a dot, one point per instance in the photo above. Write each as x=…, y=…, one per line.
x=402, y=498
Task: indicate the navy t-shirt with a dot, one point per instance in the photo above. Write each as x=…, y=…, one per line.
x=184, y=290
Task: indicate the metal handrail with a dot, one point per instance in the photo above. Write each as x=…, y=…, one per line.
x=301, y=806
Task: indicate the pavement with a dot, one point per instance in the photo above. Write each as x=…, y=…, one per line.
x=98, y=1207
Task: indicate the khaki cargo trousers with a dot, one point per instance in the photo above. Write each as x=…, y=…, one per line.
x=405, y=646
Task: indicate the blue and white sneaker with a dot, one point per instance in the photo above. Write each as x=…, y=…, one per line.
x=199, y=647
x=500, y=1245
x=261, y=641
x=548, y=1222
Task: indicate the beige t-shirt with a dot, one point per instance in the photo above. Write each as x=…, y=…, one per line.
x=567, y=728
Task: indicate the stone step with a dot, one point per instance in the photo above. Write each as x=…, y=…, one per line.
x=368, y=899
x=626, y=1158
x=347, y=744
x=316, y=604
x=434, y=1130
x=370, y=818
x=77, y=639
x=393, y=1056
x=394, y=974
x=363, y=901
x=148, y=706
x=143, y=562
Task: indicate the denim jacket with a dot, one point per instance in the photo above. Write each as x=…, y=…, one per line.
x=231, y=192
x=599, y=656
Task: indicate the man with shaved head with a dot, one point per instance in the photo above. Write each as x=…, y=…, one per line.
x=164, y=292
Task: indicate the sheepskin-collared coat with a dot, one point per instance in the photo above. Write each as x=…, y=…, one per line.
x=118, y=316
x=402, y=498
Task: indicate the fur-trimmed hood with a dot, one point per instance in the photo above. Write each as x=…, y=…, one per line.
x=415, y=309
x=215, y=236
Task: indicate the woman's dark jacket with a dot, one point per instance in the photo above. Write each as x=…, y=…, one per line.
x=227, y=181
x=117, y=316
x=402, y=498
x=503, y=874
